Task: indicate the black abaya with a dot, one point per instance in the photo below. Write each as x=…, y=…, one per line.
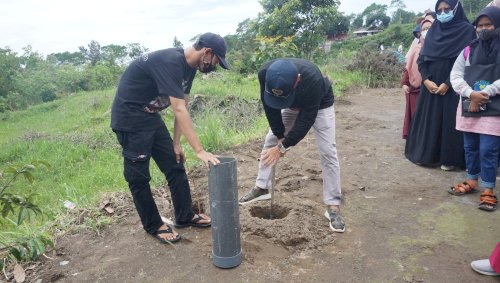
x=432, y=139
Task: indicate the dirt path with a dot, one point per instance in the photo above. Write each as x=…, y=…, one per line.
x=402, y=226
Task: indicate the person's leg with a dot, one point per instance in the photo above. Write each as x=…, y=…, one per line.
x=324, y=130
x=489, y=266
x=473, y=165
x=495, y=259
x=136, y=154
x=263, y=180
x=175, y=173
x=472, y=158
x=488, y=151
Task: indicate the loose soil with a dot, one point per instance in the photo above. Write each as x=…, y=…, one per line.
x=402, y=225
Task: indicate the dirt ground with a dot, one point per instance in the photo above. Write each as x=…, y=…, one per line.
x=402, y=225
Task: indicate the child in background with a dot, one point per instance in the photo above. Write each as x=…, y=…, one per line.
x=476, y=77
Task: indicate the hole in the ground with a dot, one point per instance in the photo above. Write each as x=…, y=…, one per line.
x=277, y=212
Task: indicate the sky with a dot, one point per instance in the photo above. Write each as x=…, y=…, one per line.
x=52, y=26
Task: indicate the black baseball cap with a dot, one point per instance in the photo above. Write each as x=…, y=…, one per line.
x=281, y=77
x=217, y=44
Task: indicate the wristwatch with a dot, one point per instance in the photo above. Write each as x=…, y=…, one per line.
x=282, y=148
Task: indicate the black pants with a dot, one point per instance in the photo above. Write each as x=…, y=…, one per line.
x=138, y=148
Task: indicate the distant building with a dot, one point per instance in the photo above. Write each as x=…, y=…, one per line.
x=366, y=31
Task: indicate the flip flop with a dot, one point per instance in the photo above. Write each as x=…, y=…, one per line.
x=166, y=231
x=193, y=222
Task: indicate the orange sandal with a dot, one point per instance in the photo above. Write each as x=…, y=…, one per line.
x=462, y=189
x=488, y=202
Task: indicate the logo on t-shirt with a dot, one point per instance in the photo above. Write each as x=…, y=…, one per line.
x=157, y=105
x=480, y=85
x=145, y=57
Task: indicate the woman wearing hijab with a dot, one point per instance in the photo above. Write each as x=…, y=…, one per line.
x=476, y=77
x=412, y=80
x=432, y=139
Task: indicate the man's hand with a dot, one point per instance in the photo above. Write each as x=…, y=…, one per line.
x=207, y=158
x=179, y=154
x=442, y=89
x=406, y=89
x=431, y=86
x=270, y=156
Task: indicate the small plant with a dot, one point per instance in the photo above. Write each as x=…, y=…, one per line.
x=22, y=207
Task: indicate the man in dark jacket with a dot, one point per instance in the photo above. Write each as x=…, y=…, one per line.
x=150, y=84
x=296, y=97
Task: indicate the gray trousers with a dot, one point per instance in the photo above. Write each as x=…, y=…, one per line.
x=324, y=130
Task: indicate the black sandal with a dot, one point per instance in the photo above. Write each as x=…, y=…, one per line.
x=166, y=231
x=194, y=223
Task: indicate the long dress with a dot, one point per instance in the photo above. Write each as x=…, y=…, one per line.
x=411, y=102
x=433, y=139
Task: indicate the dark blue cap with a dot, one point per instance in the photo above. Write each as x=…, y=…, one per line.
x=217, y=44
x=416, y=30
x=281, y=77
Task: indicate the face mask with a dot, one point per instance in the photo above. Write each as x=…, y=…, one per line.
x=487, y=34
x=445, y=17
x=448, y=16
x=207, y=66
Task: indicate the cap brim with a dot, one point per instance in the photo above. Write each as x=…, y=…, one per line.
x=223, y=63
x=278, y=102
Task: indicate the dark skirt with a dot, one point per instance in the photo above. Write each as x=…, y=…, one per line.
x=433, y=139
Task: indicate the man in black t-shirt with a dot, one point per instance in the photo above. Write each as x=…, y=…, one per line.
x=150, y=84
x=297, y=97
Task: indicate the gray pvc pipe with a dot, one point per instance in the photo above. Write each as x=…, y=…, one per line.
x=224, y=210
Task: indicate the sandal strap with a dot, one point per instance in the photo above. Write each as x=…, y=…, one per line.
x=488, y=198
x=463, y=187
x=165, y=231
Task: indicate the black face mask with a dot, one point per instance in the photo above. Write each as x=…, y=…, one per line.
x=207, y=66
x=486, y=34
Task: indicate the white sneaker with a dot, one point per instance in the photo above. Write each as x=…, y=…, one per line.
x=447, y=168
x=483, y=266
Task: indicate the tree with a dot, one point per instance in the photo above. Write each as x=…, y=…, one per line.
x=114, y=54
x=400, y=6
x=472, y=7
x=376, y=15
x=9, y=67
x=93, y=53
x=306, y=21
x=339, y=27
x=178, y=43
x=71, y=58
x=135, y=50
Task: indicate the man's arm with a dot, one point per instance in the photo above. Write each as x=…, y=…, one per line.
x=179, y=154
x=184, y=125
